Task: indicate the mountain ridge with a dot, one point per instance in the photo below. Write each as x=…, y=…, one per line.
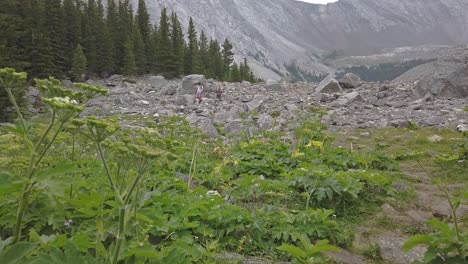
x=272, y=33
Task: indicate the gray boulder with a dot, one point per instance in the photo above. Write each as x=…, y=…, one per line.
x=277, y=87
x=157, y=82
x=264, y=122
x=188, y=83
x=234, y=127
x=348, y=99
x=350, y=80
x=205, y=124
x=449, y=83
x=225, y=116
x=256, y=103
x=329, y=85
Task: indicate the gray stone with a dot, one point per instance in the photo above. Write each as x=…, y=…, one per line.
x=435, y=138
x=67, y=83
x=452, y=81
x=256, y=103
x=170, y=89
x=225, y=116
x=399, y=186
x=264, y=122
x=329, y=85
x=462, y=128
x=234, y=127
x=390, y=249
x=348, y=99
x=344, y=257
x=188, y=83
x=277, y=87
x=350, y=80
x=157, y=82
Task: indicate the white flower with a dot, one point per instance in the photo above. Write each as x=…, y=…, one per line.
x=212, y=193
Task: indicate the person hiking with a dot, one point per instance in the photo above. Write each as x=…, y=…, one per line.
x=199, y=93
x=219, y=93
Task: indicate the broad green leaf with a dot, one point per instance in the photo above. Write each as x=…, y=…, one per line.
x=4, y=243
x=9, y=184
x=415, y=241
x=16, y=252
x=322, y=246
x=293, y=250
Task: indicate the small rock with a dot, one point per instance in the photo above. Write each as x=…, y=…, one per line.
x=462, y=128
x=329, y=85
x=399, y=186
x=350, y=80
x=435, y=138
x=144, y=102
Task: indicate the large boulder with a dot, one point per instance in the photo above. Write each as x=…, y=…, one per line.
x=451, y=82
x=350, y=80
x=157, y=82
x=348, y=99
x=329, y=85
x=188, y=83
x=256, y=103
x=205, y=124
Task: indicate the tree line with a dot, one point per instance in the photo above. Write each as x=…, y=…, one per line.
x=75, y=39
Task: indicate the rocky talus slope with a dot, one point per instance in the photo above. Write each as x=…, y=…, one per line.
x=246, y=107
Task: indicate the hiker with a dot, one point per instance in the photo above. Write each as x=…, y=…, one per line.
x=219, y=93
x=199, y=94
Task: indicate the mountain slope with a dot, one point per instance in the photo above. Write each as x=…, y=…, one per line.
x=275, y=32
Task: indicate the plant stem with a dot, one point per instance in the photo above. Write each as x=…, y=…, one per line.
x=109, y=177
x=18, y=111
x=19, y=215
x=120, y=236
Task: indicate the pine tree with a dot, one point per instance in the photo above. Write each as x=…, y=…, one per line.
x=165, y=56
x=143, y=21
x=177, y=45
x=129, y=66
x=105, y=51
x=125, y=27
x=192, y=56
x=228, y=56
x=215, y=65
x=78, y=69
x=72, y=24
x=153, y=54
x=90, y=32
x=139, y=51
x=235, y=74
x=204, y=55
x=38, y=48
x=56, y=33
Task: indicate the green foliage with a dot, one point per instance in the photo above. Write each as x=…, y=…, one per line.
x=41, y=37
x=166, y=193
x=308, y=253
x=12, y=85
x=79, y=65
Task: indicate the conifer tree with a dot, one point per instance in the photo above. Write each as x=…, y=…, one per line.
x=235, y=74
x=165, y=56
x=143, y=21
x=125, y=27
x=215, y=66
x=139, y=51
x=56, y=34
x=72, y=24
x=129, y=66
x=204, y=55
x=153, y=55
x=228, y=56
x=178, y=45
x=38, y=48
x=78, y=69
x=192, y=56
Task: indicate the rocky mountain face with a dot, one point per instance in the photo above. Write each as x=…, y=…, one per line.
x=273, y=33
